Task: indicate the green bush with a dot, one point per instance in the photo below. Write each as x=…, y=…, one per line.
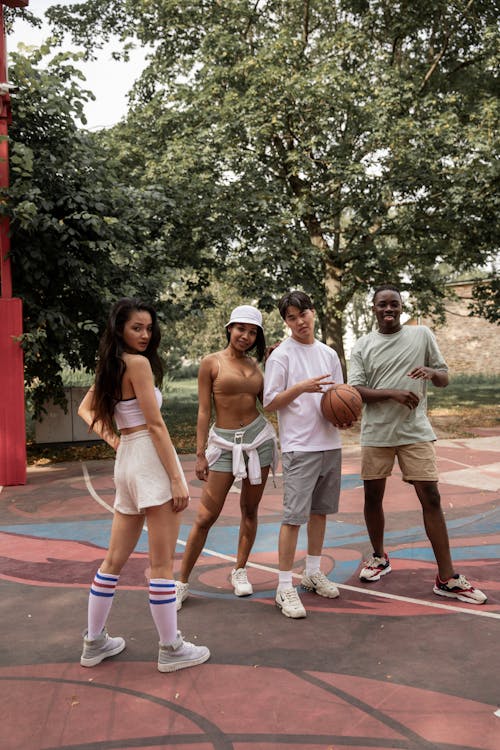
x=76, y=378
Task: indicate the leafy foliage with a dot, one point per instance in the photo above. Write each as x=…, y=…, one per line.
x=81, y=237
x=486, y=299
x=328, y=145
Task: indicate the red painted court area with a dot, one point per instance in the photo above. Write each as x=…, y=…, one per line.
x=387, y=665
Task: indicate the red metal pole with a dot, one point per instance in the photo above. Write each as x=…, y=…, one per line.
x=5, y=119
x=12, y=419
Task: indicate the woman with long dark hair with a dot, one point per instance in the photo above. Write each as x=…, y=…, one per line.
x=241, y=444
x=150, y=483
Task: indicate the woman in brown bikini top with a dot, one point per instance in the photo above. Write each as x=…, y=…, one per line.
x=231, y=381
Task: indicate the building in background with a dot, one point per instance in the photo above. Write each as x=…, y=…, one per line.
x=469, y=344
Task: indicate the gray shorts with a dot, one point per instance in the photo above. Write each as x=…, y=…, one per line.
x=311, y=484
x=245, y=435
x=141, y=480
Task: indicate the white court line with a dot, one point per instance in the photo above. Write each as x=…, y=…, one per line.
x=92, y=491
x=268, y=569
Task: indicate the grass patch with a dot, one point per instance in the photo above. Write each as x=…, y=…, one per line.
x=468, y=403
x=465, y=393
x=181, y=390
x=180, y=411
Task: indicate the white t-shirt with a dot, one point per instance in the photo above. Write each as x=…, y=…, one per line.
x=302, y=427
x=381, y=360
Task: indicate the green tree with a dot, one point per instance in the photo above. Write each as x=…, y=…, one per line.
x=81, y=237
x=328, y=144
x=486, y=299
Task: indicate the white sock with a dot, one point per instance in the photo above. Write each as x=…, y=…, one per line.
x=162, y=602
x=100, y=601
x=313, y=564
x=285, y=580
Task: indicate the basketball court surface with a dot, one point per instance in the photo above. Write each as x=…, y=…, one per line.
x=387, y=665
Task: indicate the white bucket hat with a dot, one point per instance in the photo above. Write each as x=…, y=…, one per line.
x=246, y=314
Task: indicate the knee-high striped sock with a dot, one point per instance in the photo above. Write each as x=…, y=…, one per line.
x=162, y=601
x=100, y=601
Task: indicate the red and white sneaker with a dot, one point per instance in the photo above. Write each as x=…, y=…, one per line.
x=458, y=587
x=375, y=567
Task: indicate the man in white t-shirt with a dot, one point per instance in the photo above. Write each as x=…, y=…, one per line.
x=297, y=373
x=390, y=368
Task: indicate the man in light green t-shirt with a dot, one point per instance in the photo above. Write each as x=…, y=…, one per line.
x=390, y=368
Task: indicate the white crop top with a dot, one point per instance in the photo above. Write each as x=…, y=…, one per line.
x=128, y=413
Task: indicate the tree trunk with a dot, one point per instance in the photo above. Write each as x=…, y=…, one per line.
x=331, y=318
x=331, y=324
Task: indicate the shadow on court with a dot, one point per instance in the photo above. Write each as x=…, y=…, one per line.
x=387, y=665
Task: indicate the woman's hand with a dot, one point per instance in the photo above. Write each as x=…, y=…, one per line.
x=113, y=441
x=180, y=495
x=270, y=350
x=201, y=468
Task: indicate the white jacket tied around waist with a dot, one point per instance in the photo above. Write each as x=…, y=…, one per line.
x=216, y=444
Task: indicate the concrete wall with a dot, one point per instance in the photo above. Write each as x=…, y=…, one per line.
x=58, y=427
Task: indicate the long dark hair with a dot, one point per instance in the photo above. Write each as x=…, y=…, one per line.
x=110, y=365
x=259, y=345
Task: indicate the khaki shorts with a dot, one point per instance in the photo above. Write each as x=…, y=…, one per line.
x=417, y=462
x=140, y=477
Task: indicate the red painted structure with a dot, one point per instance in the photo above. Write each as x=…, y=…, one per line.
x=12, y=419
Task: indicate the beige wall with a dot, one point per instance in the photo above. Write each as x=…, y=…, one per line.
x=468, y=344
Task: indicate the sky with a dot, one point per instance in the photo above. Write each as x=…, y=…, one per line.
x=108, y=79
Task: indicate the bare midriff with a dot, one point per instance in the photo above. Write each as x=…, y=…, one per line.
x=235, y=410
x=130, y=430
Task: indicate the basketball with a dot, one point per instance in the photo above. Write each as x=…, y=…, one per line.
x=341, y=404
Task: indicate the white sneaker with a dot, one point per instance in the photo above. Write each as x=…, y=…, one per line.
x=458, y=587
x=374, y=568
x=240, y=582
x=320, y=584
x=94, y=652
x=181, y=592
x=181, y=654
x=289, y=602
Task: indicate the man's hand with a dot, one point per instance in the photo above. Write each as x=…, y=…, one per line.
x=422, y=373
x=407, y=398
x=315, y=385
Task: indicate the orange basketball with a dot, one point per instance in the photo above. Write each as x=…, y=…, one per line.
x=341, y=404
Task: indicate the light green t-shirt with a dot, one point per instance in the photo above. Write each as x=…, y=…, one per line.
x=380, y=360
